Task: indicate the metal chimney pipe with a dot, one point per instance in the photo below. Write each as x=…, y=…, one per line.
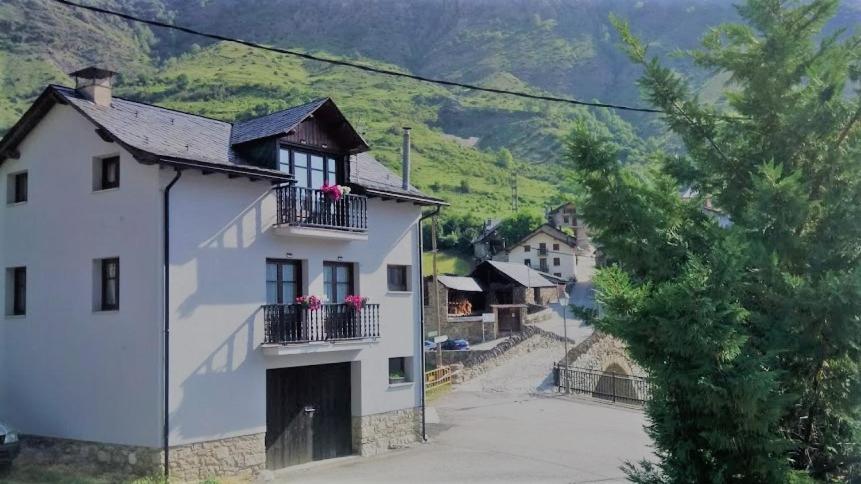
x=405, y=169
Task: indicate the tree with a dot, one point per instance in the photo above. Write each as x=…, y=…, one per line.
x=519, y=225
x=504, y=159
x=750, y=333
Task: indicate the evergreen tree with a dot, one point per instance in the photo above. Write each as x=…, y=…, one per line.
x=750, y=332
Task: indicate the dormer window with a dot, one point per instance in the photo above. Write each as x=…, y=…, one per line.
x=310, y=169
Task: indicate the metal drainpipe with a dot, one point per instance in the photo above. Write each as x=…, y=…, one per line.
x=422, y=306
x=166, y=277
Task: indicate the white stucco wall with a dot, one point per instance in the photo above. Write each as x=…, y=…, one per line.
x=66, y=370
x=221, y=237
x=567, y=260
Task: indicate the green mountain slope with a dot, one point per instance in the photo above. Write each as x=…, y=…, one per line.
x=225, y=81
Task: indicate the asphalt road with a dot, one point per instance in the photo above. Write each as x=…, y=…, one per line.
x=507, y=425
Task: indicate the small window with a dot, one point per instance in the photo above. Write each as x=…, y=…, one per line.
x=527, y=248
x=527, y=262
x=16, y=291
x=400, y=370
x=555, y=246
x=16, y=188
x=108, y=289
x=399, y=278
x=556, y=261
x=557, y=274
x=106, y=173
x=566, y=219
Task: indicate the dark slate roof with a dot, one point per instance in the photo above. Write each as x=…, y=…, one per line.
x=551, y=231
x=274, y=124
x=521, y=273
x=156, y=130
x=369, y=173
x=183, y=139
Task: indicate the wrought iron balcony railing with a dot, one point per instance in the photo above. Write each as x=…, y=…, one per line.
x=292, y=323
x=309, y=207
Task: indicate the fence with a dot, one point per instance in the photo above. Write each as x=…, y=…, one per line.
x=438, y=377
x=601, y=384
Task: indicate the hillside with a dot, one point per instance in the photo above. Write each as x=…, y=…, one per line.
x=542, y=46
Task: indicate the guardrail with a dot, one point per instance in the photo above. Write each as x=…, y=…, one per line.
x=617, y=387
x=308, y=207
x=438, y=377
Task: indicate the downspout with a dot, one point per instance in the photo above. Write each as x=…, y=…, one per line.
x=422, y=313
x=166, y=278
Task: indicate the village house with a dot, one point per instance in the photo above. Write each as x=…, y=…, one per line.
x=153, y=260
x=548, y=250
x=565, y=218
x=489, y=245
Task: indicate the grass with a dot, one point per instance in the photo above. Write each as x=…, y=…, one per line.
x=447, y=263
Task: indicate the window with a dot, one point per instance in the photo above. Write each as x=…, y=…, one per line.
x=557, y=274
x=542, y=263
x=310, y=169
x=527, y=248
x=555, y=246
x=566, y=219
x=542, y=248
x=16, y=291
x=398, y=277
x=337, y=281
x=283, y=281
x=109, y=173
x=16, y=188
x=108, y=288
x=556, y=261
x=400, y=370
x=527, y=262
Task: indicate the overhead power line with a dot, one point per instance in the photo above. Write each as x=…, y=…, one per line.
x=363, y=67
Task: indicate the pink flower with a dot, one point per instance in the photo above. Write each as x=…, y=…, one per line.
x=355, y=301
x=334, y=192
x=309, y=302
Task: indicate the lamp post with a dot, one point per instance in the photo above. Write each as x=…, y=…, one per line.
x=563, y=300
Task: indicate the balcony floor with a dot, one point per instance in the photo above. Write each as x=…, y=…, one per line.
x=319, y=233
x=301, y=348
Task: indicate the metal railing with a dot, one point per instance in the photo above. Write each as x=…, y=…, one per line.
x=438, y=377
x=292, y=323
x=617, y=387
x=309, y=207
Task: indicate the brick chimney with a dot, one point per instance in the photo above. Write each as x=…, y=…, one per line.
x=94, y=83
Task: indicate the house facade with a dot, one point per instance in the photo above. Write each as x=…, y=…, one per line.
x=153, y=260
x=565, y=218
x=547, y=249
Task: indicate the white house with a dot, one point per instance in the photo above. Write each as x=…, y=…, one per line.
x=548, y=250
x=152, y=263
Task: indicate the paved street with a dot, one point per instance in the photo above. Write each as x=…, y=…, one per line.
x=506, y=426
x=581, y=295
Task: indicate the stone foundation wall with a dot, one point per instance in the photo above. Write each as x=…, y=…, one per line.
x=473, y=331
x=91, y=457
x=377, y=433
x=242, y=456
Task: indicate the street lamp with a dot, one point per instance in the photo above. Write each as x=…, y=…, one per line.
x=563, y=300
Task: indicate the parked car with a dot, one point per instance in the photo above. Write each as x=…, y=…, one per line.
x=9, y=445
x=456, y=344
x=429, y=345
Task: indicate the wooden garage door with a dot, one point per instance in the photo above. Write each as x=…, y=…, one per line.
x=307, y=414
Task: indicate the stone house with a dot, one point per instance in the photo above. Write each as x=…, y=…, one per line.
x=153, y=259
x=457, y=307
x=565, y=218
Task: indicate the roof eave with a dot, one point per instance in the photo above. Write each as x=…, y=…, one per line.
x=418, y=200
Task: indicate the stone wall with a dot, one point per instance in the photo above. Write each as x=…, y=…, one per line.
x=242, y=456
x=472, y=331
x=377, y=433
x=91, y=457
x=600, y=351
x=530, y=339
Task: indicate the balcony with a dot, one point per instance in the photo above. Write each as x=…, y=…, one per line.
x=293, y=325
x=542, y=251
x=308, y=212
